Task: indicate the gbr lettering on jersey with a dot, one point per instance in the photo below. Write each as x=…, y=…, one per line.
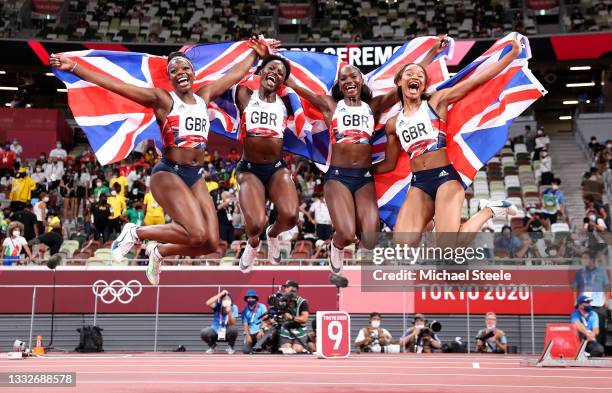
x=262, y=118
x=186, y=125
x=423, y=132
x=353, y=124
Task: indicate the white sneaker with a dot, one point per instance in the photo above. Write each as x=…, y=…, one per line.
x=155, y=261
x=336, y=259
x=247, y=260
x=230, y=351
x=211, y=350
x=273, y=248
x=124, y=242
x=499, y=208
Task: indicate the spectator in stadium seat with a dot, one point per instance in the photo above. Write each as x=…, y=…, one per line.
x=541, y=142
x=119, y=179
x=592, y=281
x=546, y=174
x=87, y=156
x=16, y=148
x=21, y=190
x=321, y=219
x=373, y=338
x=532, y=222
x=224, y=320
x=40, y=210
x=577, y=19
x=587, y=322
x=321, y=249
x=53, y=238
x=593, y=144
x=493, y=340
x=118, y=205
x=414, y=341
x=591, y=204
x=134, y=213
x=100, y=189
x=529, y=138
x=54, y=169
x=28, y=219
x=252, y=316
x=14, y=244
x=7, y=162
x=507, y=245
x=554, y=201
x=39, y=176
x=154, y=214
x=58, y=152
x=225, y=202
x=528, y=248
x=100, y=213
x=593, y=222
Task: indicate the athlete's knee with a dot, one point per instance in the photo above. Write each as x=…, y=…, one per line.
x=289, y=217
x=198, y=238
x=344, y=237
x=256, y=225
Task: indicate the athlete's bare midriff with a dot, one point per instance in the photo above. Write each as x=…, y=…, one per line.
x=262, y=150
x=431, y=160
x=185, y=155
x=351, y=155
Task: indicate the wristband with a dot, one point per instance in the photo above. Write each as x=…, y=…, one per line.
x=74, y=67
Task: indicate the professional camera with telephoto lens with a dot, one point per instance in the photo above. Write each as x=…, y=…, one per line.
x=484, y=336
x=279, y=303
x=429, y=329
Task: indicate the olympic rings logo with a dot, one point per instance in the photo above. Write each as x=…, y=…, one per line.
x=117, y=290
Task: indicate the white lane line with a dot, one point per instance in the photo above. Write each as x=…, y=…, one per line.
x=293, y=372
x=284, y=383
x=476, y=365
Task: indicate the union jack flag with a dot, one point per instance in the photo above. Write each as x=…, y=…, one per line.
x=477, y=125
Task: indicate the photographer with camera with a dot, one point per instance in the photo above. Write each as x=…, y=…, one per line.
x=224, y=320
x=252, y=316
x=422, y=337
x=373, y=338
x=491, y=339
x=295, y=317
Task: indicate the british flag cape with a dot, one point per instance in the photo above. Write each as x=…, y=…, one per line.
x=477, y=125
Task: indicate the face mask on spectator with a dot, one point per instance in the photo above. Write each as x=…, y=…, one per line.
x=588, y=308
x=532, y=210
x=552, y=253
x=419, y=325
x=540, y=133
x=375, y=324
x=135, y=191
x=544, y=154
x=555, y=187
x=593, y=217
x=113, y=193
x=46, y=199
x=490, y=326
x=251, y=302
x=99, y=184
x=226, y=303
x=38, y=169
x=42, y=157
x=609, y=146
x=58, y=145
x=16, y=233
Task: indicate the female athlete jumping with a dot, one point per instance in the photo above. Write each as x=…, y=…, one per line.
x=350, y=115
x=420, y=130
x=262, y=171
x=176, y=180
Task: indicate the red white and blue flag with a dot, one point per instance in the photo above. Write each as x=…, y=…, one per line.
x=477, y=126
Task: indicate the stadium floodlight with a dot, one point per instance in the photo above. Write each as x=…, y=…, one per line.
x=2, y=72
x=7, y=104
x=49, y=74
x=580, y=68
x=9, y=88
x=583, y=84
x=62, y=90
x=570, y=102
x=565, y=118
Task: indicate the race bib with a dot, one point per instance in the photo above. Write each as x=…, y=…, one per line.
x=193, y=124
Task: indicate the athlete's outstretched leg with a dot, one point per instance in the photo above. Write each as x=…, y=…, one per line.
x=368, y=223
x=341, y=207
x=283, y=194
x=415, y=214
x=252, y=197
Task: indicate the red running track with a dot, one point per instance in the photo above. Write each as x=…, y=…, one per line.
x=191, y=372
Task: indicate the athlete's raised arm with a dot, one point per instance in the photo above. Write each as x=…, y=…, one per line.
x=150, y=97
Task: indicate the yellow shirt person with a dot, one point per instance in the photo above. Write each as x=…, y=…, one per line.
x=117, y=204
x=22, y=187
x=154, y=214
